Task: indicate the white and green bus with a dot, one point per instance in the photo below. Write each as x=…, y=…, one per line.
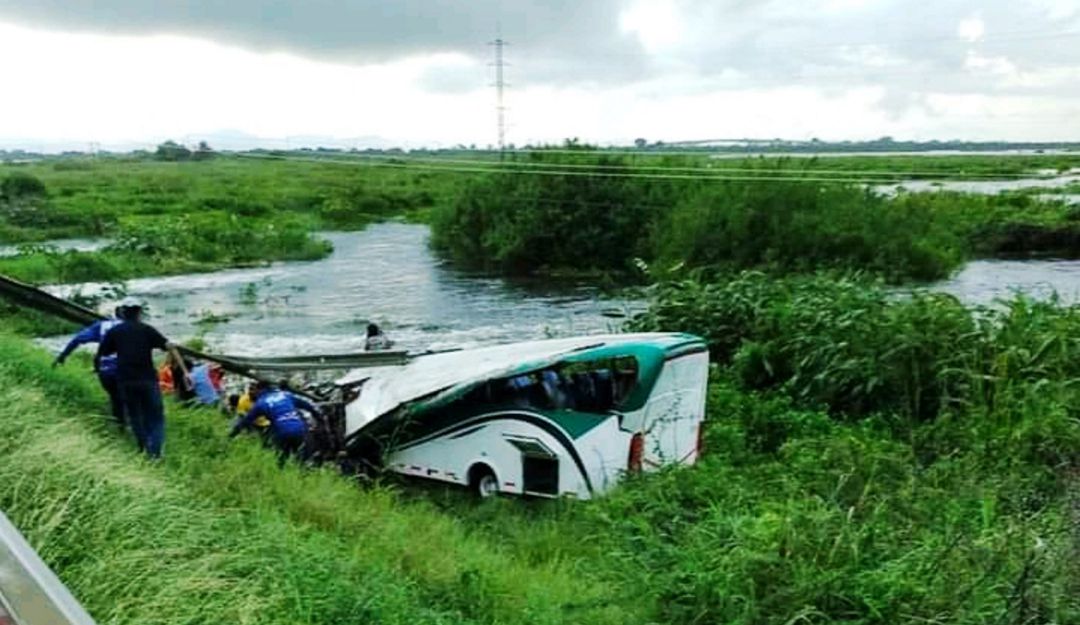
x=561, y=417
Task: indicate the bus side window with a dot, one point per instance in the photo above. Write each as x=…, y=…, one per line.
x=605, y=392
x=584, y=391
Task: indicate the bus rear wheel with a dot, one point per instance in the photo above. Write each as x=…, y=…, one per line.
x=483, y=482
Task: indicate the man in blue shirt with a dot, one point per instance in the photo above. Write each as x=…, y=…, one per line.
x=105, y=367
x=288, y=428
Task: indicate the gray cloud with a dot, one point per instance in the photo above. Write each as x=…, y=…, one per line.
x=572, y=39
x=889, y=42
x=905, y=46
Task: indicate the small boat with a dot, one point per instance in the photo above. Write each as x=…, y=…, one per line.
x=552, y=418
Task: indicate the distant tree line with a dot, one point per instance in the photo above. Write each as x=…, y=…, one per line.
x=173, y=151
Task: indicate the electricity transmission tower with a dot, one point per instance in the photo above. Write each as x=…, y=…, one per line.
x=500, y=86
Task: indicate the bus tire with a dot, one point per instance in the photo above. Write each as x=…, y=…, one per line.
x=482, y=481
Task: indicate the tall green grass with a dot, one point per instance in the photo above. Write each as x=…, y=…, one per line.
x=169, y=218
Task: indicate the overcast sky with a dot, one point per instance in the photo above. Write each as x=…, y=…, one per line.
x=416, y=72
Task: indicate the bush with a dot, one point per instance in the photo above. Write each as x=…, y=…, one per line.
x=856, y=349
x=798, y=227
x=23, y=200
x=20, y=186
x=172, y=151
x=522, y=223
x=219, y=238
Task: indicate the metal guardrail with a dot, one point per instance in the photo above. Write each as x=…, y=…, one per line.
x=30, y=593
x=322, y=362
x=32, y=297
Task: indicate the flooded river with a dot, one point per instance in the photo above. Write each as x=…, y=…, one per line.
x=983, y=281
x=388, y=275
x=385, y=274
x=1049, y=181
x=60, y=245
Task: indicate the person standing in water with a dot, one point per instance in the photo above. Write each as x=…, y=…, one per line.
x=377, y=340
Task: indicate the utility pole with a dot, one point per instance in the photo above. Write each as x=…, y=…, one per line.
x=500, y=87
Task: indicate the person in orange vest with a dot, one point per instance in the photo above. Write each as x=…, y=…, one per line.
x=164, y=375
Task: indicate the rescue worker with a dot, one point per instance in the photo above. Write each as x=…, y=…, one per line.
x=288, y=428
x=164, y=376
x=177, y=366
x=376, y=340
x=105, y=368
x=261, y=424
x=134, y=342
x=206, y=382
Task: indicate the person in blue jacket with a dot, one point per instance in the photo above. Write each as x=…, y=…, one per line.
x=288, y=428
x=106, y=366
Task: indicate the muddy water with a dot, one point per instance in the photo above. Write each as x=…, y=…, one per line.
x=385, y=274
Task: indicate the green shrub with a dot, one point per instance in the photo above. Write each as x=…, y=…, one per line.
x=21, y=186
x=857, y=348
x=219, y=238
x=521, y=223
x=800, y=227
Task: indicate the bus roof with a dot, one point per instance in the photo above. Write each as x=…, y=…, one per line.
x=387, y=388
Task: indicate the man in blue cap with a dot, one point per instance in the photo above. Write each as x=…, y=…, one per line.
x=134, y=343
x=105, y=367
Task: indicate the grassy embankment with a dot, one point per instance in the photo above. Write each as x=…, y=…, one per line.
x=869, y=461
x=169, y=218
x=603, y=212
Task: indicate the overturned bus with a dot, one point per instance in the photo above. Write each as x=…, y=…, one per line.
x=562, y=417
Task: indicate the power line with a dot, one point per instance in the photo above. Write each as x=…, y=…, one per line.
x=711, y=172
x=772, y=143
x=768, y=177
